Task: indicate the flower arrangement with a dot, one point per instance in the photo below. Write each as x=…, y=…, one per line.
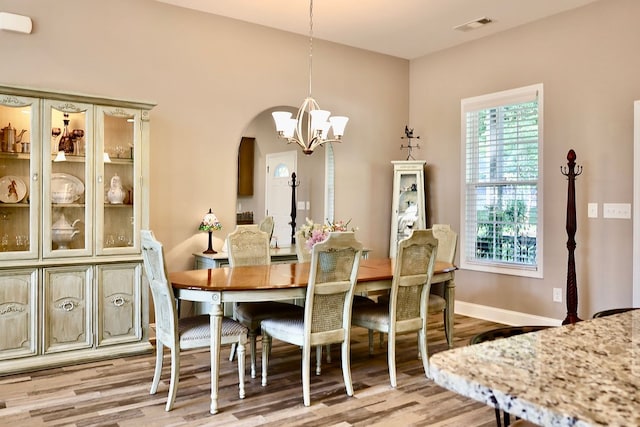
x=314, y=233
x=209, y=223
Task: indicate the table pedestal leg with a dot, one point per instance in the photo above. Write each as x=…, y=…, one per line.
x=216, y=333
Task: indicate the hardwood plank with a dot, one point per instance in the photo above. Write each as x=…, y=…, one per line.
x=116, y=392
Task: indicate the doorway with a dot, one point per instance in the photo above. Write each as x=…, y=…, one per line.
x=278, y=170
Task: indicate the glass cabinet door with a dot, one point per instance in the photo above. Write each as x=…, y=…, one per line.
x=119, y=172
x=408, y=201
x=19, y=179
x=67, y=171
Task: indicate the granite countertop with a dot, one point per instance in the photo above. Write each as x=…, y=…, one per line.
x=586, y=374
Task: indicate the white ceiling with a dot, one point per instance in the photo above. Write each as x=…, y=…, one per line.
x=403, y=28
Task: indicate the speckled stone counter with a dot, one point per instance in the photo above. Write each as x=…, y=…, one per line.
x=587, y=374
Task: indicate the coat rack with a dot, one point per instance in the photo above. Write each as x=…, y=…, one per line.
x=572, y=291
x=293, y=184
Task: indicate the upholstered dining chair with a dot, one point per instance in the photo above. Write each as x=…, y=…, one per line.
x=327, y=311
x=302, y=253
x=447, y=240
x=248, y=245
x=407, y=307
x=185, y=333
x=267, y=225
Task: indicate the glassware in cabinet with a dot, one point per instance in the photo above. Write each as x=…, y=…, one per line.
x=19, y=184
x=68, y=172
x=119, y=172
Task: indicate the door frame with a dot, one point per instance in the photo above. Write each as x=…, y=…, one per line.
x=636, y=203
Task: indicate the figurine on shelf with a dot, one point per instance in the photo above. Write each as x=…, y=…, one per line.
x=116, y=193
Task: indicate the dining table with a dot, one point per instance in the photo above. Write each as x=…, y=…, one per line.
x=582, y=374
x=274, y=282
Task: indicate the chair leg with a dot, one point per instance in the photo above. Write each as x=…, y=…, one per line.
x=370, y=342
x=241, y=368
x=175, y=378
x=346, y=366
x=252, y=341
x=328, y=353
x=266, y=349
x=318, y=359
x=391, y=358
x=446, y=329
x=232, y=353
x=158, y=370
x=422, y=343
x=498, y=421
x=306, y=374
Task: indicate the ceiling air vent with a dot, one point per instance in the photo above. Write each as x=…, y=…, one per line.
x=472, y=25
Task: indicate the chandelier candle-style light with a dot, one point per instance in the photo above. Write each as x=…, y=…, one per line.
x=318, y=123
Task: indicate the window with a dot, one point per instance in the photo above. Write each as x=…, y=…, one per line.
x=502, y=185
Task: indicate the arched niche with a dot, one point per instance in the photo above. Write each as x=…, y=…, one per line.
x=316, y=172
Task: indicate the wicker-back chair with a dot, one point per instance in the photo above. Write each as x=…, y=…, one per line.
x=267, y=225
x=327, y=312
x=180, y=334
x=407, y=310
x=303, y=254
x=248, y=245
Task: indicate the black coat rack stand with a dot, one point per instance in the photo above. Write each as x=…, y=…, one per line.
x=572, y=291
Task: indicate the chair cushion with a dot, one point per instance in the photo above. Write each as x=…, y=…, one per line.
x=361, y=299
x=371, y=314
x=436, y=302
x=251, y=314
x=196, y=330
x=291, y=327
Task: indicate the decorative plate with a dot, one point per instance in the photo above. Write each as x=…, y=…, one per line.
x=62, y=183
x=12, y=189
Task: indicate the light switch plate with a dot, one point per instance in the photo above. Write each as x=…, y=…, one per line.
x=592, y=210
x=616, y=210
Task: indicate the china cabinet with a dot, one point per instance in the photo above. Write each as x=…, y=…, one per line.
x=409, y=209
x=72, y=202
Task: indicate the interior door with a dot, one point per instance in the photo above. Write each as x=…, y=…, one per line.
x=279, y=167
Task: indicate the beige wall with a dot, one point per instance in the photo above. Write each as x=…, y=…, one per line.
x=210, y=77
x=588, y=62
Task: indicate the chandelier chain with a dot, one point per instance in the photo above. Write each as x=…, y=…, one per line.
x=310, y=44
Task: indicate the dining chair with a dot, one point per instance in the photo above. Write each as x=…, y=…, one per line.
x=505, y=332
x=407, y=308
x=302, y=252
x=181, y=333
x=612, y=311
x=267, y=225
x=327, y=311
x=248, y=245
x=447, y=240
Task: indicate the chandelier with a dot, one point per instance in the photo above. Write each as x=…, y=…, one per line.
x=314, y=131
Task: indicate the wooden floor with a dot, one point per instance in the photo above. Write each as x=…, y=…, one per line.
x=116, y=392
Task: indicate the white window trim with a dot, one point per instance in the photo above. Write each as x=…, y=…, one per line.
x=522, y=94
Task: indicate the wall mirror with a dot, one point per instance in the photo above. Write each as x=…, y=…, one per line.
x=315, y=176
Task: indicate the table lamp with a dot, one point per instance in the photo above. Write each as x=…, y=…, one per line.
x=209, y=223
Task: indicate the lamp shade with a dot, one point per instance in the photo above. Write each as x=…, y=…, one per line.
x=338, y=123
x=210, y=222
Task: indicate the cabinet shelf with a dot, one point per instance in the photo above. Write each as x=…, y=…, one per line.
x=15, y=156
x=14, y=205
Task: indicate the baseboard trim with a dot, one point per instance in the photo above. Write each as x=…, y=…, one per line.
x=499, y=315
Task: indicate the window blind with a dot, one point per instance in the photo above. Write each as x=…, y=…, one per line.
x=501, y=199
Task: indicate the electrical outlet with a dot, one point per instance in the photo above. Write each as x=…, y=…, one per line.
x=557, y=294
